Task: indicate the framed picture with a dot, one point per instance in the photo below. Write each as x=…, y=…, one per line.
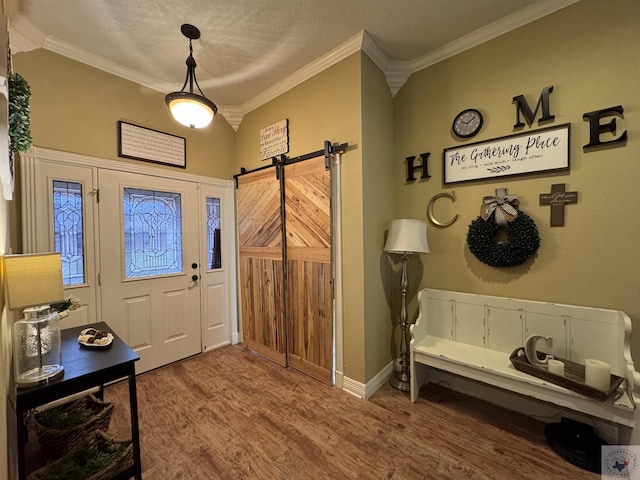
x=534, y=151
x=148, y=145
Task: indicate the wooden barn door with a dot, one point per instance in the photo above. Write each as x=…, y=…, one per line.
x=261, y=268
x=309, y=296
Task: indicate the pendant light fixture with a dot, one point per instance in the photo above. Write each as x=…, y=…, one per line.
x=188, y=108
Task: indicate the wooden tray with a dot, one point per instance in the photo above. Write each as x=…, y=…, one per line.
x=573, y=378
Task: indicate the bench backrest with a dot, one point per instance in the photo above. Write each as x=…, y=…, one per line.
x=503, y=324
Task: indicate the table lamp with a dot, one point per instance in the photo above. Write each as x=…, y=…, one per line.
x=406, y=237
x=32, y=282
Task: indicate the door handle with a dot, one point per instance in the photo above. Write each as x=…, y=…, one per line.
x=194, y=278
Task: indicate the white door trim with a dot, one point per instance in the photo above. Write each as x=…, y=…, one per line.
x=29, y=171
x=142, y=168
x=336, y=241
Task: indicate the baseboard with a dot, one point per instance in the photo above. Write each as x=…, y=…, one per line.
x=380, y=379
x=339, y=379
x=365, y=391
x=353, y=387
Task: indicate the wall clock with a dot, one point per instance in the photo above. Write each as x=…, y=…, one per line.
x=467, y=123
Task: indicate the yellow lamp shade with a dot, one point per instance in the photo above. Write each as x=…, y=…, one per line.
x=33, y=279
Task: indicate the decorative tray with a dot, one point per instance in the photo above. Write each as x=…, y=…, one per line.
x=92, y=338
x=573, y=378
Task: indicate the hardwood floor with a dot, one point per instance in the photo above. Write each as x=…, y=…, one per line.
x=231, y=414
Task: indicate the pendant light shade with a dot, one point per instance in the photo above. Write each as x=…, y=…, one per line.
x=188, y=108
x=191, y=110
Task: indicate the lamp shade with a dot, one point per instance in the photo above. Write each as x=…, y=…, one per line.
x=407, y=236
x=33, y=279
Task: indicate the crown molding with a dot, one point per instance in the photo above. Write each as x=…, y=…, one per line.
x=103, y=64
x=353, y=45
x=233, y=116
x=489, y=32
x=27, y=37
x=396, y=72
x=374, y=52
x=24, y=37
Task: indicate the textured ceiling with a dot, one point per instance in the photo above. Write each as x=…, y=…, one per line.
x=247, y=46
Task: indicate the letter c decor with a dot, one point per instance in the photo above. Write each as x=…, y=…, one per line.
x=432, y=219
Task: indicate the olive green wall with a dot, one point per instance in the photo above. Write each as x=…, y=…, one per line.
x=589, y=53
x=378, y=188
x=75, y=108
x=326, y=107
x=590, y=261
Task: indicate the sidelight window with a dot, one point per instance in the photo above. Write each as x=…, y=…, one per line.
x=214, y=257
x=68, y=230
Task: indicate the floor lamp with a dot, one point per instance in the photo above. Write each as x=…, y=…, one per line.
x=406, y=237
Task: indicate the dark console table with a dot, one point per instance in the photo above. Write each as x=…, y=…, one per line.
x=84, y=368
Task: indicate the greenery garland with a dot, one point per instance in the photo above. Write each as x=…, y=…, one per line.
x=523, y=241
x=19, y=122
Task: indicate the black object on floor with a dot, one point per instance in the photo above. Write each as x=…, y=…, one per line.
x=577, y=443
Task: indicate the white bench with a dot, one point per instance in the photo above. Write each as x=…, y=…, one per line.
x=473, y=335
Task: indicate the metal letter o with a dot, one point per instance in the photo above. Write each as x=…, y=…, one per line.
x=432, y=219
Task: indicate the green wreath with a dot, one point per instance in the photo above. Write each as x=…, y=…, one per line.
x=523, y=241
x=19, y=122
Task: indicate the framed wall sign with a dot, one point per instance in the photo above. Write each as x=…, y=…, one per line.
x=148, y=145
x=534, y=151
x=274, y=139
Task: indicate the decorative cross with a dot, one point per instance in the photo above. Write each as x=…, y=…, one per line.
x=557, y=199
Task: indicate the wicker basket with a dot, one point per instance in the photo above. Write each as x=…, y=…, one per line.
x=57, y=441
x=76, y=463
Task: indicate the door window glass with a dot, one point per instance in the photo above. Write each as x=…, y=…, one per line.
x=68, y=236
x=214, y=257
x=152, y=233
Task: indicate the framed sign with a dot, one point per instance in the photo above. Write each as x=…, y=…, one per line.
x=274, y=139
x=534, y=151
x=148, y=145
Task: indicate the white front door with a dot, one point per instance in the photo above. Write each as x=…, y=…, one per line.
x=150, y=265
x=163, y=313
